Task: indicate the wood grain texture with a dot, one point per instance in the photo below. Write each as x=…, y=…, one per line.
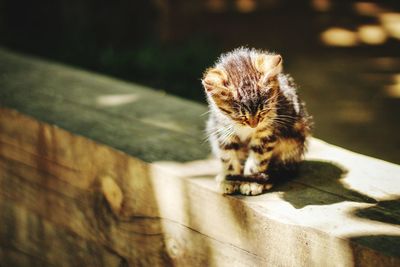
x=158, y=124
x=128, y=183
x=40, y=187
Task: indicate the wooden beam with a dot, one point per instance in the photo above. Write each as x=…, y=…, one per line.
x=108, y=109
x=137, y=233
x=130, y=183
x=27, y=238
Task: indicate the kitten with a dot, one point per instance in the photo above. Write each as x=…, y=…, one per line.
x=257, y=122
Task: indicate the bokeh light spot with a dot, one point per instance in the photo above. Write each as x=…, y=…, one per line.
x=372, y=34
x=391, y=23
x=246, y=6
x=339, y=37
x=367, y=8
x=216, y=5
x=321, y=5
x=116, y=100
x=393, y=90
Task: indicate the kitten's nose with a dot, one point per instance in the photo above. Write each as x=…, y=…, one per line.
x=253, y=122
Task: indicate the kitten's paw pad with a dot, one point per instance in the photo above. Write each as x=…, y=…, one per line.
x=251, y=189
x=245, y=189
x=227, y=187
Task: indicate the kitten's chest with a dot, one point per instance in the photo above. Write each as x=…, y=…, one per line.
x=244, y=133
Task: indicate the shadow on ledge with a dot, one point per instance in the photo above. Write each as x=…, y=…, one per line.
x=387, y=244
x=387, y=211
x=317, y=183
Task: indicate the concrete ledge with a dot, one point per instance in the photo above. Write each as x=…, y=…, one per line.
x=120, y=173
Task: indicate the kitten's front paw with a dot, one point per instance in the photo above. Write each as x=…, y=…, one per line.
x=252, y=168
x=251, y=189
x=248, y=188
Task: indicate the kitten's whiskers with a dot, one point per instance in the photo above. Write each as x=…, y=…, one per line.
x=205, y=113
x=223, y=134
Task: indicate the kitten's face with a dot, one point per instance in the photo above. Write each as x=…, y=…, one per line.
x=253, y=110
x=244, y=87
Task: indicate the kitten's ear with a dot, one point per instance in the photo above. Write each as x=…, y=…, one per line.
x=268, y=65
x=215, y=80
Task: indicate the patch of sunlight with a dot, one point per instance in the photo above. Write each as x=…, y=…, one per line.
x=367, y=8
x=342, y=222
x=364, y=226
x=373, y=178
x=372, y=34
x=339, y=37
x=216, y=5
x=187, y=197
x=168, y=125
x=246, y=6
x=184, y=204
x=353, y=112
x=116, y=100
x=197, y=168
x=391, y=23
x=321, y=5
x=170, y=194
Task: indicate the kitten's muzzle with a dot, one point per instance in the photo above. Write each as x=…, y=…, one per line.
x=253, y=122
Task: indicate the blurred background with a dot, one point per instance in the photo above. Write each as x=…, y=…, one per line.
x=345, y=55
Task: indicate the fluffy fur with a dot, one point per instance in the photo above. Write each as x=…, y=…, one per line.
x=257, y=122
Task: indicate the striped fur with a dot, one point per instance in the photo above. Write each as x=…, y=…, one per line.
x=256, y=117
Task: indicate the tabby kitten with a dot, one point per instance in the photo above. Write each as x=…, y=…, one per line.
x=257, y=122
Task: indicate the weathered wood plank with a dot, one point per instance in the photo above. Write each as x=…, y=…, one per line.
x=132, y=238
x=155, y=205
x=175, y=201
x=12, y=257
x=79, y=106
x=162, y=127
x=31, y=235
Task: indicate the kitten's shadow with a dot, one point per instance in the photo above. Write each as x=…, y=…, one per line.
x=313, y=183
x=316, y=183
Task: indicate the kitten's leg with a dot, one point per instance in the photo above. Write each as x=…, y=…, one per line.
x=228, y=149
x=261, y=150
x=230, y=153
x=231, y=156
